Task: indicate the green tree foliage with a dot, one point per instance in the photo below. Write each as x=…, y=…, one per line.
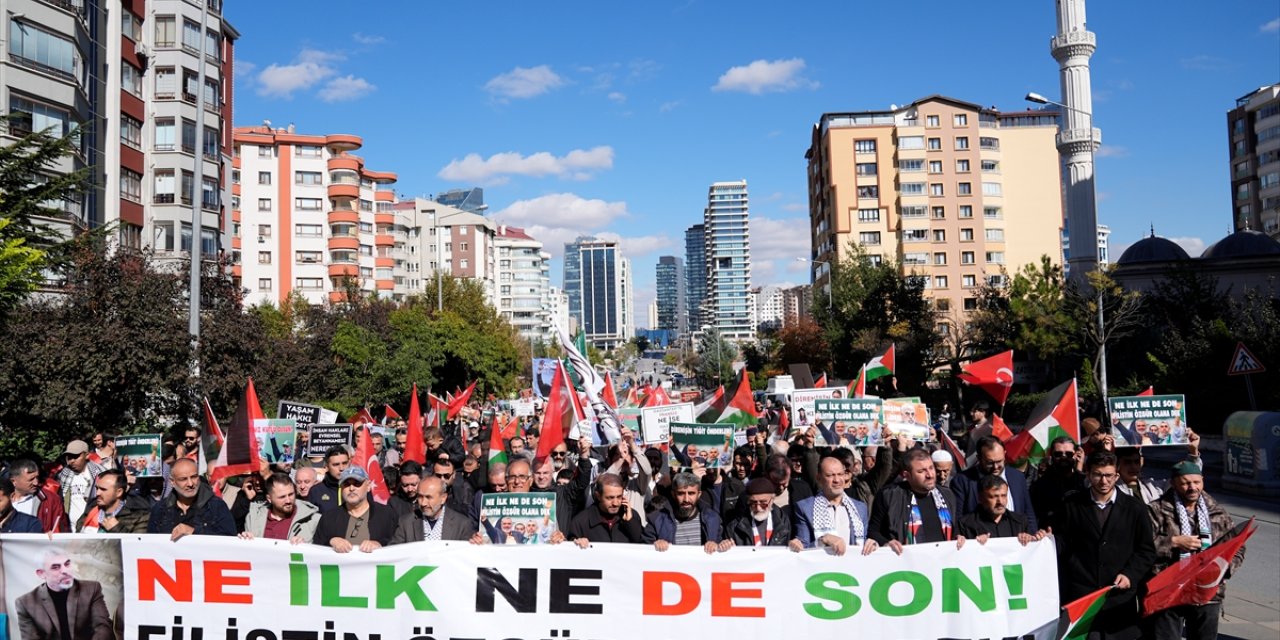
x=873, y=306
x=715, y=357
x=1035, y=317
x=802, y=342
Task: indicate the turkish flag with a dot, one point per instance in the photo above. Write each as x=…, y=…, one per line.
x=993, y=375
x=1151, y=391
x=368, y=460
x=415, y=446
x=1195, y=580
x=999, y=429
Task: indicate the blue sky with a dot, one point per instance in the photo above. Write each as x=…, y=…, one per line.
x=614, y=118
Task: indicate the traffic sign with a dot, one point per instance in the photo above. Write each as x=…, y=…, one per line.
x=1244, y=362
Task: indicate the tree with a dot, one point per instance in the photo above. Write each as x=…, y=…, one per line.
x=802, y=342
x=1035, y=316
x=642, y=344
x=29, y=183
x=1121, y=317
x=715, y=359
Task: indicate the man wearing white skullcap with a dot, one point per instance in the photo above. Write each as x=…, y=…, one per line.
x=945, y=466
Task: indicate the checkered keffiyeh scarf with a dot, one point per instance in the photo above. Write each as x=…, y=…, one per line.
x=824, y=519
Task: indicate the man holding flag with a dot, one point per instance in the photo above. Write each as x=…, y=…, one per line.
x=1188, y=521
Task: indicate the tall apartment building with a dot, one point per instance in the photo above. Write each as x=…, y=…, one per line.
x=795, y=304
x=1104, y=248
x=695, y=275
x=670, y=300
x=769, y=316
x=728, y=260
x=305, y=217
x=597, y=279
x=128, y=74
x=524, y=284
x=1253, y=133
x=953, y=192
x=466, y=199
x=458, y=243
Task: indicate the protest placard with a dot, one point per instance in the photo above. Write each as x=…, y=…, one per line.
x=320, y=437
x=846, y=421
x=523, y=407
x=802, y=406
x=654, y=421
x=518, y=518
x=710, y=444
x=907, y=418
x=141, y=453
x=544, y=375
x=152, y=588
x=1149, y=420
x=275, y=440
x=299, y=412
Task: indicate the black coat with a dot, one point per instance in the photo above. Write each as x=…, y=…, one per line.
x=1090, y=557
x=591, y=526
x=966, y=483
x=742, y=530
x=333, y=524
x=892, y=509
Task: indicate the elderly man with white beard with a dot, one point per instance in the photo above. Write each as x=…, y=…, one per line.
x=764, y=524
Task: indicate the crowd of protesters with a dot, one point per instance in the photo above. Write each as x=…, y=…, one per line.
x=1112, y=524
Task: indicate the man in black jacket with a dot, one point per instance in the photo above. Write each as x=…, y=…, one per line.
x=191, y=508
x=326, y=494
x=610, y=520
x=993, y=518
x=360, y=522
x=990, y=462
x=764, y=524
x=1104, y=538
x=913, y=511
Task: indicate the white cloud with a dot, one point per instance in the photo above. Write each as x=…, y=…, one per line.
x=568, y=211
x=669, y=106
x=366, y=39
x=1271, y=27
x=617, y=96
x=639, y=246
x=345, y=88
x=642, y=70
x=779, y=239
x=795, y=207
x=763, y=76
x=309, y=68
x=1112, y=151
x=579, y=164
x=1192, y=245
x=523, y=82
x=244, y=70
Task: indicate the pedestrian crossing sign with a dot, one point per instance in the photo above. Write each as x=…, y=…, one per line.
x=1244, y=362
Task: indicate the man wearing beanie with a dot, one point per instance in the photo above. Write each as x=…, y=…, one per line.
x=763, y=525
x=1187, y=521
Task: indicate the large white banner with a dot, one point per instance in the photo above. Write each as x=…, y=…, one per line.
x=242, y=590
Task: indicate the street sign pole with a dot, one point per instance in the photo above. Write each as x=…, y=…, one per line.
x=1248, y=384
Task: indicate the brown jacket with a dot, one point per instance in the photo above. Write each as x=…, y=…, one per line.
x=86, y=610
x=1164, y=522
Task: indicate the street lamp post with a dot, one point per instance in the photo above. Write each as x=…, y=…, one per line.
x=1102, y=346
x=831, y=290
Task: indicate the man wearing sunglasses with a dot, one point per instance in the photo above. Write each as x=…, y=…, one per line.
x=458, y=489
x=1060, y=477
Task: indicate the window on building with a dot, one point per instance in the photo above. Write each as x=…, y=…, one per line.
x=30, y=116
x=212, y=44
x=264, y=257
x=131, y=79
x=164, y=187
x=962, y=166
x=869, y=237
x=212, y=94
x=992, y=189
x=910, y=165
x=989, y=143
x=969, y=281
x=915, y=259
x=308, y=230
x=166, y=32
x=264, y=177
x=264, y=204
x=210, y=194
x=966, y=257
x=964, y=188
x=166, y=83
x=932, y=122
x=190, y=36
x=32, y=46
x=940, y=257
x=188, y=136
x=912, y=211
x=935, y=166
x=309, y=284
x=866, y=168
x=942, y=304
x=130, y=185
x=868, y=215
x=966, y=211
x=995, y=235
x=308, y=204
x=864, y=146
x=939, y=282
x=264, y=230
x=308, y=177
x=366, y=205
x=910, y=143
x=130, y=26
x=961, y=120
x=912, y=188
x=939, y=213
x=935, y=189
x=211, y=136
x=264, y=284
x=962, y=143
x=992, y=213
x=871, y=191
x=939, y=235
x=997, y=280
x=308, y=151
x=995, y=257
x=915, y=235
x=935, y=144
x=130, y=131
x=966, y=235
x=990, y=166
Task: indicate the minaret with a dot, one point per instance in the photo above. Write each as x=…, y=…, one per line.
x=1078, y=138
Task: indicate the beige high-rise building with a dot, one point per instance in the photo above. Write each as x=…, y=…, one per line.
x=953, y=192
x=1253, y=130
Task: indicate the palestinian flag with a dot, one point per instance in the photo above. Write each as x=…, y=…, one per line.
x=210, y=441
x=820, y=382
x=389, y=414
x=741, y=409
x=881, y=366
x=415, y=447
x=497, y=446
x=633, y=398
x=858, y=388
x=1078, y=616
x=239, y=453
x=1057, y=415
x=710, y=408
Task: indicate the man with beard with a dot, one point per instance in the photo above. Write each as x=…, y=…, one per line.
x=1104, y=539
x=944, y=465
x=990, y=462
x=282, y=516
x=914, y=511
x=111, y=513
x=12, y=520
x=993, y=518
x=764, y=524
x=191, y=508
x=1058, y=479
x=684, y=522
x=63, y=607
x=431, y=520
x=980, y=413
x=1187, y=521
x=359, y=522
x=405, y=497
x=830, y=519
x=611, y=519
x=459, y=490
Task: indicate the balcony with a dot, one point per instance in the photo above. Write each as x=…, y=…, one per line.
x=350, y=243
x=386, y=285
x=384, y=196
x=344, y=270
x=350, y=163
x=340, y=142
x=382, y=218
x=384, y=240
x=344, y=190
x=344, y=216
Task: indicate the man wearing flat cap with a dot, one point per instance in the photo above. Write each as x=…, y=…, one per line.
x=1187, y=521
x=763, y=525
